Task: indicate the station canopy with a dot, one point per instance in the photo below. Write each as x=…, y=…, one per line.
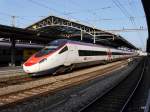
x=52, y=27
x=57, y=27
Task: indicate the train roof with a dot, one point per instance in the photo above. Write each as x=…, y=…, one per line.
x=63, y=41
x=21, y=45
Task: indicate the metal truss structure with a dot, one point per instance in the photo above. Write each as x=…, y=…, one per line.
x=96, y=34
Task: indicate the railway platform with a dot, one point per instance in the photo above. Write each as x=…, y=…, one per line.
x=9, y=72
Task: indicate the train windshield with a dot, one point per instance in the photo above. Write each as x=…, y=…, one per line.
x=58, y=42
x=51, y=47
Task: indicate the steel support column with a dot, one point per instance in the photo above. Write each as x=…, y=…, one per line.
x=94, y=37
x=147, y=10
x=81, y=34
x=148, y=45
x=13, y=42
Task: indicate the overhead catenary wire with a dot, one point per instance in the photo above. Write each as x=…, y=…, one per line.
x=128, y=15
x=134, y=23
x=40, y=4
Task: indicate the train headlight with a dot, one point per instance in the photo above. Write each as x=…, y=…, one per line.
x=42, y=60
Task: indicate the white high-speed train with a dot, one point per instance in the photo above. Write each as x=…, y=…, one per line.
x=63, y=54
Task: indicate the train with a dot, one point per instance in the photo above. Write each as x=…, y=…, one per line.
x=142, y=53
x=65, y=55
x=22, y=52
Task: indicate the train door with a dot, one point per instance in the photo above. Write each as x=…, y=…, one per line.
x=72, y=55
x=109, y=55
x=62, y=56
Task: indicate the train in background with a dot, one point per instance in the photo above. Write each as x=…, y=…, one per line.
x=142, y=53
x=22, y=52
x=63, y=55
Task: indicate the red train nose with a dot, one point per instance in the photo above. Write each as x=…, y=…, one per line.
x=29, y=63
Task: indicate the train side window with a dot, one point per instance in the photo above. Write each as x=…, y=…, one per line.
x=91, y=53
x=63, y=50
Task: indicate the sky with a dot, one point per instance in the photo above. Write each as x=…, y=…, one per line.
x=102, y=14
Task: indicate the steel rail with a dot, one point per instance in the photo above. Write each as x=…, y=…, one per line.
x=137, y=85
x=110, y=89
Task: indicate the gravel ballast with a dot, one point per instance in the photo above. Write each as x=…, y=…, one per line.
x=74, y=98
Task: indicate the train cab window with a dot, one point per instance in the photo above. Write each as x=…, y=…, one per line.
x=63, y=50
x=46, y=51
x=58, y=42
x=52, y=46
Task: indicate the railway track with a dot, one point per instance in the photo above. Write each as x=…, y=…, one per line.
x=117, y=98
x=60, y=83
x=15, y=80
x=12, y=76
x=8, y=72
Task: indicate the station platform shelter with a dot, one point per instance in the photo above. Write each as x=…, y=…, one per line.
x=53, y=27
